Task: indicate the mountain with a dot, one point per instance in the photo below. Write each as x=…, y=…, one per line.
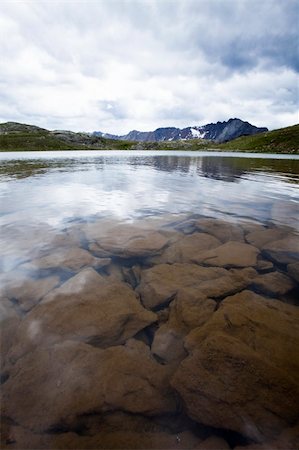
x=218, y=132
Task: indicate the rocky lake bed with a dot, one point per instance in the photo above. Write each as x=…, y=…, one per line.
x=173, y=331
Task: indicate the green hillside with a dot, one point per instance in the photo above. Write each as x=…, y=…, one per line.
x=284, y=140
x=22, y=137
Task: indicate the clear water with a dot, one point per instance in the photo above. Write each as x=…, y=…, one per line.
x=48, y=200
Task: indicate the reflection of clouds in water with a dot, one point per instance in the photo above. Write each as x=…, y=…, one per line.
x=123, y=187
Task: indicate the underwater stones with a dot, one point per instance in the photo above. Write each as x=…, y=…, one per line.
x=9, y=321
x=72, y=259
x=87, y=307
x=224, y=231
x=52, y=385
x=230, y=254
x=25, y=291
x=160, y=284
x=283, y=251
x=273, y=283
x=242, y=371
x=187, y=248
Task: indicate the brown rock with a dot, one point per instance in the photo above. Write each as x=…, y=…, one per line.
x=230, y=254
x=160, y=283
x=242, y=373
x=261, y=237
x=284, y=251
x=287, y=440
x=224, y=231
x=213, y=443
x=188, y=248
x=87, y=307
x=264, y=266
x=293, y=270
x=129, y=241
x=73, y=259
x=53, y=385
x=273, y=284
x=26, y=291
x=9, y=322
x=190, y=309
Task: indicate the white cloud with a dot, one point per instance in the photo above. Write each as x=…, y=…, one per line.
x=167, y=63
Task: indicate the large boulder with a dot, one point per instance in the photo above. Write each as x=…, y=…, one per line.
x=242, y=371
x=51, y=386
x=88, y=308
x=293, y=271
x=159, y=284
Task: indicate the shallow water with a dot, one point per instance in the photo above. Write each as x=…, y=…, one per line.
x=117, y=255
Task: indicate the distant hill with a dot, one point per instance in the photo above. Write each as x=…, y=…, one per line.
x=283, y=140
x=21, y=137
x=218, y=132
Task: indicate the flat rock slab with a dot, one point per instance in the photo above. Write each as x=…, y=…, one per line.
x=230, y=254
x=88, y=308
x=160, y=284
x=224, y=231
x=129, y=241
x=242, y=372
x=50, y=386
x=26, y=291
x=188, y=248
x=72, y=259
x=273, y=284
x=283, y=251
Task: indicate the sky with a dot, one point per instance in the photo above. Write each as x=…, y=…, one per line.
x=119, y=65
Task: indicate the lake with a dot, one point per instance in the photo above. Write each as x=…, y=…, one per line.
x=149, y=299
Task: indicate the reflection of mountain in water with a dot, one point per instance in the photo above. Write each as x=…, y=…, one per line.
x=222, y=167
x=216, y=167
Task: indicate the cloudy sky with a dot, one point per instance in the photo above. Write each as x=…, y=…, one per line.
x=117, y=65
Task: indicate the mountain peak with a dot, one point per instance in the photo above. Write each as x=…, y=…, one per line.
x=218, y=132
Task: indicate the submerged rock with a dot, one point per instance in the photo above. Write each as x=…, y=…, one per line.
x=129, y=241
x=283, y=251
x=26, y=291
x=50, y=386
x=230, y=254
x=242, y=372
x=273, y=284
x=189, y=310
x=261, y=237
x=159, y=284
x=88, y=307
x=186, y=249
x=224, y=231
x=73, y=259
x=293, y=270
